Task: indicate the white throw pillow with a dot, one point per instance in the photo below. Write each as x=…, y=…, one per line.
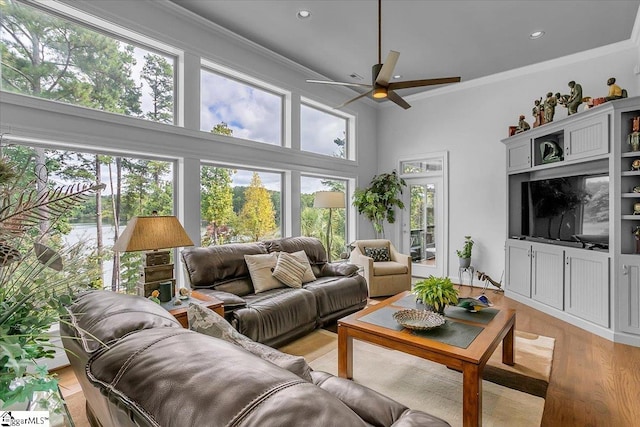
x=260, y=269
x=289, y=270
x=301, y=256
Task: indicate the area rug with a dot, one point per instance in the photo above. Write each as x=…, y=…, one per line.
x=76, y=407
x=428, y=386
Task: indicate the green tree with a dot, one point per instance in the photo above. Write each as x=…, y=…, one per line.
x=222, y=129
x=216, y=201
x=158, y=73
x=257, y=217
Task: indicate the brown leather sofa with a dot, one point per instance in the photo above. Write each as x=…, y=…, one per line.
x=138, y=367
x=276, y=316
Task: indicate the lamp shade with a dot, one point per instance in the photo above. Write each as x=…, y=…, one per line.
x=328, y=199
x=145, y=233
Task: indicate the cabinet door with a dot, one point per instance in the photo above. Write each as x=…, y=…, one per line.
x=587, y=138
x=519, y=155
x=587, y=285
x=547, y=281
x=518, y=262
x=628, y=306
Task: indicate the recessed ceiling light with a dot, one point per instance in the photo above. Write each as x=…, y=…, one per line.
x=397, y=76
x=304, y=14
x=536, y=34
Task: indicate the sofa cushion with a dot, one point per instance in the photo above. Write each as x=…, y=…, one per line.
x=208, y=322
x=312, y=247
x=261, y=271
x=289, y=270
x=212, y=265
x=102, y=317
x=378, y=254
x=270, y=317
x=389, y=268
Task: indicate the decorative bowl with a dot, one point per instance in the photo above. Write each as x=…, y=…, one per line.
x=421, y=320
x=474, y=304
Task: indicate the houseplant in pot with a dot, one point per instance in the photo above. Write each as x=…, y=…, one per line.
x=378, y=201
x=464, y=255
x=436, y=292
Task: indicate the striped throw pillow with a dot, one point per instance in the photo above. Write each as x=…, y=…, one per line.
x=289, y=270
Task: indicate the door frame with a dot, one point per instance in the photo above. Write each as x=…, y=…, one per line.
x=442, y=250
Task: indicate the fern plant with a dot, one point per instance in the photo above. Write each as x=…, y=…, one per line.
x=437, y=292
x=38, y=275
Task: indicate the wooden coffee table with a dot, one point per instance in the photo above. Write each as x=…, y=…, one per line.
x=470, y=361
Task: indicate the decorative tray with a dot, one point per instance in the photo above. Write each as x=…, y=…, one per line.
x=421, y=320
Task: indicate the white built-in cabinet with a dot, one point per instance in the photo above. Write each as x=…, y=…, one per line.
x=595, y=289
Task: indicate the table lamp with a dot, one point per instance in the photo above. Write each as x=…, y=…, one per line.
x=329, y=200
x=152, y=233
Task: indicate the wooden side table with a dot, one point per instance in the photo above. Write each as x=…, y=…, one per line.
x=180, y=311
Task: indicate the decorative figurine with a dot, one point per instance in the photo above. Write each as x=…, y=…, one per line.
x=636, y=208
x=575, y=97
x=549, y=107
x=635, y=165
x=537, y=113
x=636, y=189
x=522, y=125
x=615, y=91
x=636, y=234
x=550, y=151
x=634, y=137
x=474, y=305
x=485, y=277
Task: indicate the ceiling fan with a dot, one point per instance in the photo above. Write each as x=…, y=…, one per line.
x=380, y=86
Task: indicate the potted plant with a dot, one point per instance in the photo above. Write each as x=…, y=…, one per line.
x=436, y=292
x=38, y=275
x=464, y=255
x=378, y=201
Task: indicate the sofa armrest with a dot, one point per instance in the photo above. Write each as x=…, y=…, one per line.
x=339, y=269
x=360, y=259
x=230, y=301
x=373, y=407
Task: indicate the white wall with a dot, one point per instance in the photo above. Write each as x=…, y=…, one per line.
x=470, y=119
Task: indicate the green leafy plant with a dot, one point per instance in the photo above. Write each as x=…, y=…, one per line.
x=38, y=276
x=377, y=202
x=438, y=292
x=466, y=249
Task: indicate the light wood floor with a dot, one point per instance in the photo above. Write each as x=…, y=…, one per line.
x=594, y=382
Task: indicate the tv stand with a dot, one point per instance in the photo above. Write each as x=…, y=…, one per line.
x=594, y=282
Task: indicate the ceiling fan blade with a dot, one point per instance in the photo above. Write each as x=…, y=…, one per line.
x=353, y=99
x=397, y=99
x=386, y=72
x=329, y=82
x=425, y=82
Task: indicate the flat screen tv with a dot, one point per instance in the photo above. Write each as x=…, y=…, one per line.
x=568, y=209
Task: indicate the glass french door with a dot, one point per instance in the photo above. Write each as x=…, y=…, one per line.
x=422, y=228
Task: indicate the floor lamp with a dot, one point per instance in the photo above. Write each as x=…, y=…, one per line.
x=329, y=200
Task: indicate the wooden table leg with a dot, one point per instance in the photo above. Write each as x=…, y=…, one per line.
x=508, y=347
x=471, y=395
x=345, y=353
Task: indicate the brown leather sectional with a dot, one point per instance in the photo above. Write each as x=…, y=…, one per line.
x=138, y=367
x=276, y=316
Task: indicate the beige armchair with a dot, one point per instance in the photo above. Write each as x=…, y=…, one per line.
x=383, y=277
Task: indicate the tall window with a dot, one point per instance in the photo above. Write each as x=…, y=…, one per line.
x=234, y=108
x=314, y=221
x=323, y=132
x=239, y=205
x=53, y=58
x=133, y=186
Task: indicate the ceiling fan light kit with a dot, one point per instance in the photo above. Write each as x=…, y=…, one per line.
x=382, y=73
